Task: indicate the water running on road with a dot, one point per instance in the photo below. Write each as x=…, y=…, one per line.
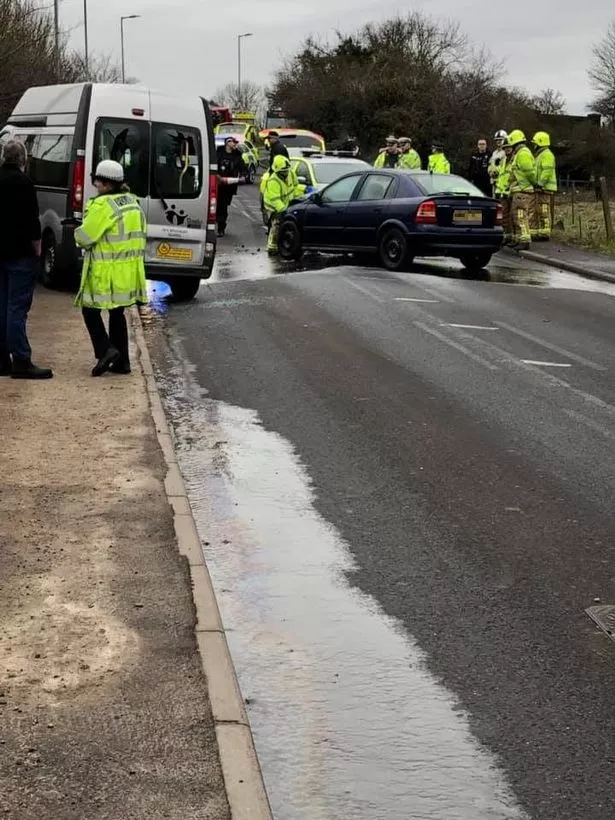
x=348, y=722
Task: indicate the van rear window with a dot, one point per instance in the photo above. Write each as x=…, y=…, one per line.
x=177, y=161
x=49, y=160
x=126, y=142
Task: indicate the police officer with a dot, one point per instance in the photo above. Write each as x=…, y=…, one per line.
x=478, y=171
x=113, y=234
x=438, y=163
x=276, y=148
x=389, y=156
x=408, y=157
x=522, y=170
x=277, y=196
x=546, y=186
x=231, y=166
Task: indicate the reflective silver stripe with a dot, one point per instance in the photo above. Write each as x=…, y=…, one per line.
x=116, y=298
x=82, y=237
x=105, y=256
x=115, y=238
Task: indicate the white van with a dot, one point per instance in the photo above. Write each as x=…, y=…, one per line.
x=166, y=145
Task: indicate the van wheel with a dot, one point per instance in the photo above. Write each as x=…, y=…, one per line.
x=184, y=288
x=48, y=259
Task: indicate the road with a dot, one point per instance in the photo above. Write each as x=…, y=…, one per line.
x=405, y=484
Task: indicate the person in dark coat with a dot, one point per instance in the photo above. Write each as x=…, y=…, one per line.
x=478, y=172
x=276, y=148
x=230, y=166
x=20, y=249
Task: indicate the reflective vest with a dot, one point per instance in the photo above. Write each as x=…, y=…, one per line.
x=522, y=169
x=546, y=174
x=114, y=235
x=498, y=159
x=501, y=183
x=386, y=159
x=278, y=193
x=410, y=160
x=438, y=164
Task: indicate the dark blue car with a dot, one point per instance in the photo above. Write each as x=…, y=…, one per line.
x=396, y=215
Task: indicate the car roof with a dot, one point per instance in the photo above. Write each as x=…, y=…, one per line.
x=337, y=160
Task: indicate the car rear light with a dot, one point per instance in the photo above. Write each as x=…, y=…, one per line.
x=78, y=183
x=213, y=199
x=426, y=213
x=499, y=215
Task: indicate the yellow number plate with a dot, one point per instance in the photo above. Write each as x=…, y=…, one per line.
x=173, y=253
x=468, y=217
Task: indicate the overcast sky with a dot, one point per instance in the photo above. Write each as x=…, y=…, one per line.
x=191, y=44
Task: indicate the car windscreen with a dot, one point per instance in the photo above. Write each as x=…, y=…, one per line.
x=229, y=128
x=326, y=172
x=300, y=141
x=446, y=184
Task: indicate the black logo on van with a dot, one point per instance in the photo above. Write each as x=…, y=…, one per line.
x=174, y=217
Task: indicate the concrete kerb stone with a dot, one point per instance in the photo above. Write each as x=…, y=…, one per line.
x=243, y=778
x=572, y=267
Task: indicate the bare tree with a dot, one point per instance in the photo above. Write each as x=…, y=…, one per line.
x=549, y=101
x=250, y=97
x=100, y=69
x=602, y=74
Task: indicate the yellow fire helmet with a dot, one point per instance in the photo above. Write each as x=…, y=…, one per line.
x=541, y=139
x=515, y=137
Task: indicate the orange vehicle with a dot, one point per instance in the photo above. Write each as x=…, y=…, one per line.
x=297, y=139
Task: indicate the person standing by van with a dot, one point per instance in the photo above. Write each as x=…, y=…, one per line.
x=20, y=249
x=231, y=167
x=113, y=234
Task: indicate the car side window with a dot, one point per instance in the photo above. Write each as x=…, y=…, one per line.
x=376, y=186
x=341, y=191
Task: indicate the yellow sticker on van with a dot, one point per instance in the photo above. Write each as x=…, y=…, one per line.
x=173, y=253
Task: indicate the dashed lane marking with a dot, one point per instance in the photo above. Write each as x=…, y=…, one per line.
x=456, y=346
x=415, y=299
x=468, y=327
x=545, y=364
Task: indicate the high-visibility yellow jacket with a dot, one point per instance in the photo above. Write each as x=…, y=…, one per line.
x=438, y=164
x=410, y=159
x=114, y=235
x=546, y=172
x=386, y=159
x=522, y=170
x=501, y=183
x=278, y=193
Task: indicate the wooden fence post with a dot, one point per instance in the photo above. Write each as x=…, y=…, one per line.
x=606, y=207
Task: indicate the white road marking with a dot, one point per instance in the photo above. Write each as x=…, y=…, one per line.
x=545, y=364
x=567, y=354
x=460, y=348
x=469, y=327
x=363, y=290
x=413, y=299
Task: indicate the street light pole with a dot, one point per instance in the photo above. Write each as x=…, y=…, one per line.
x=85, y=40
x=239, y=39
x=56, y=32
x=126, y=17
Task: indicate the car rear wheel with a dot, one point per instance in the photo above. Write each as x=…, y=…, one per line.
x=475, y=261
x=393, y=250
x=289, y=241
x=184, y=288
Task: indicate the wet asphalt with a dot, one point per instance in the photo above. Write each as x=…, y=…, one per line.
x=457, y=435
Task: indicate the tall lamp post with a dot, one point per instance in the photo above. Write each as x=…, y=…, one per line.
x=85, y=40
x=126, y=17
x=240, y=37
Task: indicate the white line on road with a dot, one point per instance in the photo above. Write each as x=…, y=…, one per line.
x=363, y=290
x=460, y=348
x=545, y=364
x=567, y=354
x=469, y=327
x=413, y=299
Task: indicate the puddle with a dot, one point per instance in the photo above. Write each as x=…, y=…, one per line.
x=348, y=722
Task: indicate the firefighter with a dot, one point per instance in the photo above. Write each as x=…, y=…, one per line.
x=389, y=156
x=408, y=157
x=546, y=186
x=501, y=191
x=438, y=163
x=278, y=193
x=522, y=170
x=498, y=157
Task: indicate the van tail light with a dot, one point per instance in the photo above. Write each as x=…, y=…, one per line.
x=213, y=199
x=78, y=184
x=426, y=213
x=499, y=215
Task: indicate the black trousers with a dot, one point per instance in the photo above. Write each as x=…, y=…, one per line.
x=117, y=336
x=225, y=197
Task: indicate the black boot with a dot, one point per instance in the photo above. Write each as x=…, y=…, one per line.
x=105, y=362
x=6, y=366
x=121, y=366
x=25, y=369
